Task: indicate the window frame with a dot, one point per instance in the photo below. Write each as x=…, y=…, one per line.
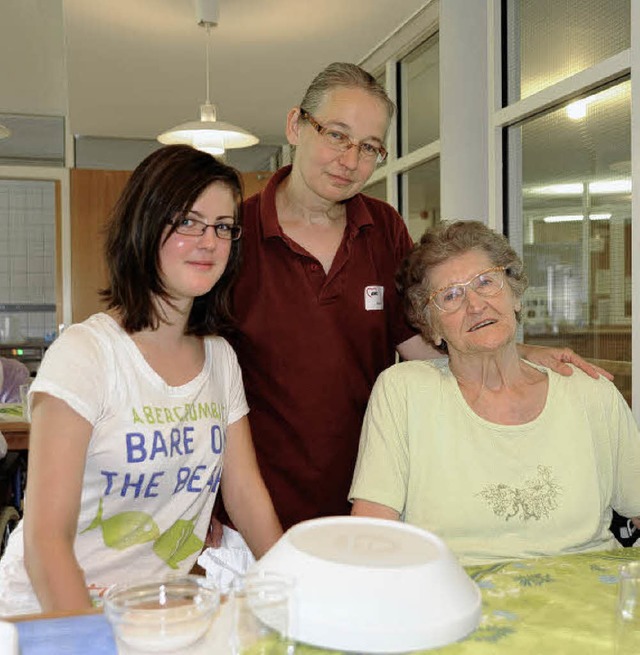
x=582, y=83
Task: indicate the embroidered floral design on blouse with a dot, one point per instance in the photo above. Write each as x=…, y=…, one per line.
x=534, y=500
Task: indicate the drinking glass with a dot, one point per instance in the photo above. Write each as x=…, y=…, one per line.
x=627, y=629
x=263, y=613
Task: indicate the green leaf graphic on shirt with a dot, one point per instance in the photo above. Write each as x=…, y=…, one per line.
x=178, y=542
x=125, y=529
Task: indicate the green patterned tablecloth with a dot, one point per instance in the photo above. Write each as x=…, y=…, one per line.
x=547, y=606
x=550, y=605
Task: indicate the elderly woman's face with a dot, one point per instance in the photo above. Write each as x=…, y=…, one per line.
x=481, y=323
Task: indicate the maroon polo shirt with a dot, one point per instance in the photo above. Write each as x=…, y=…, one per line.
x=311, y=345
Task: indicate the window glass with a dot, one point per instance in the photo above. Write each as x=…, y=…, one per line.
x=570, y=216
x=422, y=187
x=28, y=256
x=377, y=190
x=550, y=40
x=419, y=101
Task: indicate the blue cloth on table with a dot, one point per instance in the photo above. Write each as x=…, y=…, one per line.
x=73, y=635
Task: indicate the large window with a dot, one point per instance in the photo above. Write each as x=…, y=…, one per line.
x=550, y=40
x=568, y=179
x=410, y=178
x=419, y=108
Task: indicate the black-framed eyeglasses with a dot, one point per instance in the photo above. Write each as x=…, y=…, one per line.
x=339, y=141
x=486, y=283
x=192, y=227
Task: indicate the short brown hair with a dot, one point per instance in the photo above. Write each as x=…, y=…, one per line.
x=167, y=183
x=437, y=245
x=342, y=74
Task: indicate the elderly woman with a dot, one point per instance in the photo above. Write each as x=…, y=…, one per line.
x=501, y=458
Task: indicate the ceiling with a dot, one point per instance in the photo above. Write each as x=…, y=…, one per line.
x=134, y=68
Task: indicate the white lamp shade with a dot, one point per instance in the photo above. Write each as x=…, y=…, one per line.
x=208, y=134
x=211, y=136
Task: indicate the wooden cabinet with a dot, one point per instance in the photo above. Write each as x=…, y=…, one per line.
x=93, y=196
x=254, y=182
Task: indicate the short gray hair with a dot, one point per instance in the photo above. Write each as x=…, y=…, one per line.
x=342, y=74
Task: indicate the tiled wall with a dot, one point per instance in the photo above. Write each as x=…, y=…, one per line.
x=27, y=253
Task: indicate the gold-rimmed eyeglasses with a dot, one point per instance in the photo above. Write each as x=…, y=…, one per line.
x=339, y=141
x=486, y=283
x=192, y=227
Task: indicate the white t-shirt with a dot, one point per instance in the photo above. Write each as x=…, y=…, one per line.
x=154, y=460
x=500, y=491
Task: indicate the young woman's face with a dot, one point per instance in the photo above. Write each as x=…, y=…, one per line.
x=191, y=265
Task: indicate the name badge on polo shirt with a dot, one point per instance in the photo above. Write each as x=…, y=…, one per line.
x=373, y=298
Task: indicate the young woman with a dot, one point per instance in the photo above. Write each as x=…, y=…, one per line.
x=135, y=410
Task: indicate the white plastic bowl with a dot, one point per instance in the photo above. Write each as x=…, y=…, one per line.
x=162, y=617
x=374, y=586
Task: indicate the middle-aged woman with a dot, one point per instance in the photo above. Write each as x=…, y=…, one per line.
x=501, y=458
x=318, y=313
x=138, y=413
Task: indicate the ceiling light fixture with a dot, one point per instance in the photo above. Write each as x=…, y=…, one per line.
x=567, y=218
x=570, y=189
x=578, y=109
x=610, y=186
x=5, y=132
x=600, y=187
x=208, y=134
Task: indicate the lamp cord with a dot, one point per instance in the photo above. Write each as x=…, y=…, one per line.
x=208, y=28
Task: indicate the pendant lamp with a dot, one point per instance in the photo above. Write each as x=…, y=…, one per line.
x=208, y=134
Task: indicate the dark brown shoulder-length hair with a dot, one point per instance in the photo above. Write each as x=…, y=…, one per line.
x=167, y=183
x=438, y=244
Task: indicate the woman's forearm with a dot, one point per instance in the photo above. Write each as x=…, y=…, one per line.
x=56, y=576
x=251, y=510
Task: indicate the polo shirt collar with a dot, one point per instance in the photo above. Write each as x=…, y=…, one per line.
x=358, y=215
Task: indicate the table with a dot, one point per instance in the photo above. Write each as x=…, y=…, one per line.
x=16, y=434
x=556, y=605
x=13, y=426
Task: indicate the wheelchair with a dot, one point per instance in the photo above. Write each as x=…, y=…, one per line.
x=13, y=475
x=624, y=530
